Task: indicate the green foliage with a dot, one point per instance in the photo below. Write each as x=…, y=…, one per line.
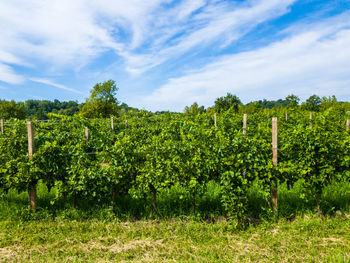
x=9, y=110
x=312, y=103
x=155, y=154
x=292, y=100
x=269, y=104
x=227, y=102
x=194, y=109
x=39, y=109
x=102, y=102
x=328, y=102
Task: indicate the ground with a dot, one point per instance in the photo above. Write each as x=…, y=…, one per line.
x=304, y=239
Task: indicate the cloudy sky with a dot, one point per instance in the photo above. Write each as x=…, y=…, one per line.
x=166, y=54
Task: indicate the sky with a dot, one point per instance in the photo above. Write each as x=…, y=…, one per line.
x=167, y=54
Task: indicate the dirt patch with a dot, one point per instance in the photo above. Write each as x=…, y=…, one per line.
x=332, y=240
x=119, y=247
x=6, y=253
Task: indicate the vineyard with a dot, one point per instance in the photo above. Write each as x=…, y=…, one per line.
x=145, y=154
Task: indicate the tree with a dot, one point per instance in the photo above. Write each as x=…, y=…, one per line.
x=194, y=109
x=228, y=102
x=9, y=109
x=252, y=107
x=328, y=102
x=312, y=103
x=292, y=100
x=102, y=102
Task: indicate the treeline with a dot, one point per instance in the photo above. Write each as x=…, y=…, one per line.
x=233, y=103
x=41, y=109
x=103, y=103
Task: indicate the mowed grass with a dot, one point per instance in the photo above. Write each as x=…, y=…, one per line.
x=95, y=233
x=305, y=239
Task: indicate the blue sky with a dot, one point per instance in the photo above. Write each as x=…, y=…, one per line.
x=166, y=54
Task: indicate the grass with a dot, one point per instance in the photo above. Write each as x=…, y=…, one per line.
x=94, y=233
x=305, y=239
x=176, y=203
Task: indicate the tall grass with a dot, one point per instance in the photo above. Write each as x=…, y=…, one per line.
x=175, y=203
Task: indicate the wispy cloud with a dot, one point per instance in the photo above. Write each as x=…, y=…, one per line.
x=8, y=75
x=178, y=32
x=53, y=84
x=143, y=37
x=66, y=33
x=313, y=60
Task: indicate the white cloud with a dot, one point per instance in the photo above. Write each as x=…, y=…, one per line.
x=9, y=76
x=69, y=34
x=307, y=62
x=62, y=35
x=215, y=23
x=53, y=84
x=59, y=32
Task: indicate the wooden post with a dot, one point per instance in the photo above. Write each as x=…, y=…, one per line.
x=32, y=185
x=310, y=117
x=275, y=161
x=126, y=123
x=30, y=139
x=2, y=127
x=245, y=124
x=112, y=123
x=215, y=120
x=347, y=124
x=86, y=134
x=114, y=193
x=286, y=116
x=274, y=141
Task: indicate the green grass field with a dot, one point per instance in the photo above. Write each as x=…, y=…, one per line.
x=307, y=239
x=94, y=233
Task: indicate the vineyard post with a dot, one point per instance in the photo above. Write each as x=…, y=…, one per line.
x=114, y=193
x=126, y=123
x=86, y=131
x=310, y=117
x=244, y=134
x=286, y=116
x=347, y=124
x=112, y=123
x=32, y=185
x=215, y=120
x=2, y=126
x=275, y=161
x=245, y=124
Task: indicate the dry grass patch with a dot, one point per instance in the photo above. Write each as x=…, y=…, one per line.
x=303, y=240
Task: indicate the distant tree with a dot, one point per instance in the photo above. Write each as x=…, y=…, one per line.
x=312, y=103
x=125, y=108
x=292, y=100
x=194, y=109
x=269, y=104
x=228, y=102
x=39, y=109
x=327, y=102
x=10, y=109
x=252, y=107
x=102, y=101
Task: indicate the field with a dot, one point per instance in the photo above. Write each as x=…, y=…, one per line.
x=177, y=187
x=94, y=233
x=305, y=239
